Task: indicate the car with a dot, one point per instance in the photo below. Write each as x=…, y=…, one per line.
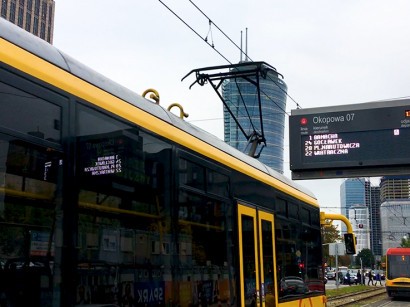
x=293, y=285
x=352, y=276
x=330, y=275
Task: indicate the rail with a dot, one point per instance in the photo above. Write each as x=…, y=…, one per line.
x=355, y=298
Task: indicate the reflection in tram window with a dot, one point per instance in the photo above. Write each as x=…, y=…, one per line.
x=28, y=220
x=299, y=271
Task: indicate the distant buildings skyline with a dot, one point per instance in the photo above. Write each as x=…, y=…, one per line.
x=394, y=210
x=387, y=207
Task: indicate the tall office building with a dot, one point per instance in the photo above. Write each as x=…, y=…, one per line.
x=373, y=203
x=352, y=192
x=358, y=216
x=394, y=215
x=356, y=192
x=394, y=210
x=35, y=16
x=242, y=98
x=394, y=187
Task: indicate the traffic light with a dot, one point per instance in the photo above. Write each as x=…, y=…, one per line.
x=350, y=243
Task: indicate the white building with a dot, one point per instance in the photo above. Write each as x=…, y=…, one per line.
x=395, y=222
x=358, y=216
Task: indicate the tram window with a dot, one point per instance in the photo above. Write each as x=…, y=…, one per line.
x=299, y=270
x=282, y=207
x=217, y=183
x=191, y=174
x=204, y=249
x=293, y=210
x=315, y=216
x=28, y=213
x=305, y=216
x=201, y=210
x=124, y=226
x=36, y=116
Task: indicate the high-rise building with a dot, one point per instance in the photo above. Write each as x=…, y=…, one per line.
x=394, y=187
x=394, y=210
x=373, y=203
x=242, y=98
x=358, y=216
x=360, y=192
x=352, y=192
x=395, y=217
x=35, y=16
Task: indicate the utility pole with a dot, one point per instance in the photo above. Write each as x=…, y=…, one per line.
x=361, y=272
x=337, y=265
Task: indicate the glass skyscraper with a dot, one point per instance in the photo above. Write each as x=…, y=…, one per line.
x=241, y=96
x=352, y=192
x=359, y=193
x=373, y=202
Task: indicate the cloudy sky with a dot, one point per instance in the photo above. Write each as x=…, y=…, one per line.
x=330, y=52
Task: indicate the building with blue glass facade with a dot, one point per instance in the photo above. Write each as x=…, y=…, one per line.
x=352, y=192
x=359, y=193
x=373, y=203
x=241, y=97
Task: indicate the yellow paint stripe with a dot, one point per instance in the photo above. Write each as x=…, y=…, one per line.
x=31, y=64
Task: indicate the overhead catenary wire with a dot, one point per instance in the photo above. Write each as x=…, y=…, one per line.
x=247, y=57
x=220, y=30
x=213, y=47
x=185, y=23
x=225, y=58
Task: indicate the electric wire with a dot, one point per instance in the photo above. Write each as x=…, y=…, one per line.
x=185, y=23
x=213, y=47
x=220, y=30
x=246, y=56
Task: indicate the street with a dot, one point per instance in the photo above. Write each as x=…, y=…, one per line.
x=331, y=284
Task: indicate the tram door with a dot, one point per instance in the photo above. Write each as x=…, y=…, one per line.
x=256, y=250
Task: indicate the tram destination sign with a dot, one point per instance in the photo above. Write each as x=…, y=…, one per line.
x=367, y=139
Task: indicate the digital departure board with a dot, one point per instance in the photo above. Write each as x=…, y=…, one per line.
x=367, y=139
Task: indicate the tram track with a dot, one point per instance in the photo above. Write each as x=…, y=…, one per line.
x=355, y=299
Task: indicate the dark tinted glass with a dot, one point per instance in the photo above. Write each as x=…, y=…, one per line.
x=218, y=183
x=29, y=223
x=124, y=228
x=299, y=268
x=191, y=174
x=29, y=114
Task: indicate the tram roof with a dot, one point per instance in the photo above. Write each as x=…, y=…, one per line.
x=51, y=54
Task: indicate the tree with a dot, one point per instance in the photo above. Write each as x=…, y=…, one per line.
x=405, y=242
x=367, y=258
x=329, y=235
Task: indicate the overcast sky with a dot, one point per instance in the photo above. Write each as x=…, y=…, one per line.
x=329, y=52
